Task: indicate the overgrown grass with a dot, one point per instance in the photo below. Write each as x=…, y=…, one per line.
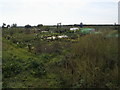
x=90, y=61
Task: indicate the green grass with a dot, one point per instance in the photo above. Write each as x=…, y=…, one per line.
x=78, y=62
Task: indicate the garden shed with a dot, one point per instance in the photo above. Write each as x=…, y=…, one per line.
x=87, y=30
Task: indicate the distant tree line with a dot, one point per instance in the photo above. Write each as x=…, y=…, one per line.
x=14, y=25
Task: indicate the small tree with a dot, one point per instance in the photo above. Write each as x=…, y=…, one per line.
x=8, y=26
x=27, y=27
x=81, y=25
x=14, y=25
x=3, y=26
x=39, y=25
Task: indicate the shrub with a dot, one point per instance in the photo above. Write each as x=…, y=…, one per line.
x=11, y=69
x=37, y=68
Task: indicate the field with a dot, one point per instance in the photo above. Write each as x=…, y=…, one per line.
x=55, y=57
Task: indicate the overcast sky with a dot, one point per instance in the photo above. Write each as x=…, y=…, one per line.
x=50, y=12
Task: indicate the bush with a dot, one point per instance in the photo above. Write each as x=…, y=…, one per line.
x=37, y=68
x=46, y=48
x=11, y=69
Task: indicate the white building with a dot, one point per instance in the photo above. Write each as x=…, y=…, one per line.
x=74, y=29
